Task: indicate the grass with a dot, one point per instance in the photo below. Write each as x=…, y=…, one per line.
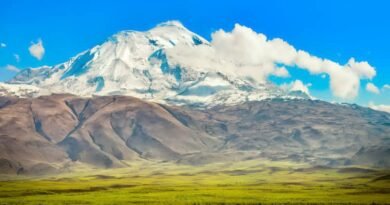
x=248, y=182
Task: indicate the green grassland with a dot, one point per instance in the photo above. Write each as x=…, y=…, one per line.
x=248, y=182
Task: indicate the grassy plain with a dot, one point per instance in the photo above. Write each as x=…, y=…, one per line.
x=248, y=182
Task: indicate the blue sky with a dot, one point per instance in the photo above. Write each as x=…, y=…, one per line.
x=336, y=30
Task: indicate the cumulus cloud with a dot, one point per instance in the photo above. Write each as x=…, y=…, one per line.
x=37, y=50
x=3, y=45
x=297, y=85
x=384, y=108
x=245, y=52
x=370, y=87
x=12, y=68
x=362, y=69
x=281, y=72
x=386, y=86
x=17, y=57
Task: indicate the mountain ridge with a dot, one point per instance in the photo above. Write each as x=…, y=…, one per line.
x=52, y=133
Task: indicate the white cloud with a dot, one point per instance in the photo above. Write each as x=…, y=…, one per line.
x=362, y=69
x=3, y=45
x=299, y=86
x=281, y=72
x=384, y=108
x=344, y=79
x=17, y=57
x=386, y=86
x=12, y=68
x=370, y=87
x=343, y=82
x=37, y=50
x=296, y=85
x=241, y=52
x=245, y=52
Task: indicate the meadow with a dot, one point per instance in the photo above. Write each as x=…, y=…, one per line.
x=247, y=182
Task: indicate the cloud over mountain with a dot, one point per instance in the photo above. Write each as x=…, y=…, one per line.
x=12, y=68
x=251, y=54
x=297, y=85
x=370, y=87
x=380, y=107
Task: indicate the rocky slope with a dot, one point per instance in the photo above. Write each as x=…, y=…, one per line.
x=50, y=133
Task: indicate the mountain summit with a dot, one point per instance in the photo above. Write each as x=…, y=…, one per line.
x=139, y=64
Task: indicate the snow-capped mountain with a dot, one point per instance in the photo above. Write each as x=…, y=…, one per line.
x=138, y=64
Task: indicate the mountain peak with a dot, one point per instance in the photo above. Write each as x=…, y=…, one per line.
x=172, y=23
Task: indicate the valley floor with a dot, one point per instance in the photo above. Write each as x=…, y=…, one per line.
x=249, y=182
